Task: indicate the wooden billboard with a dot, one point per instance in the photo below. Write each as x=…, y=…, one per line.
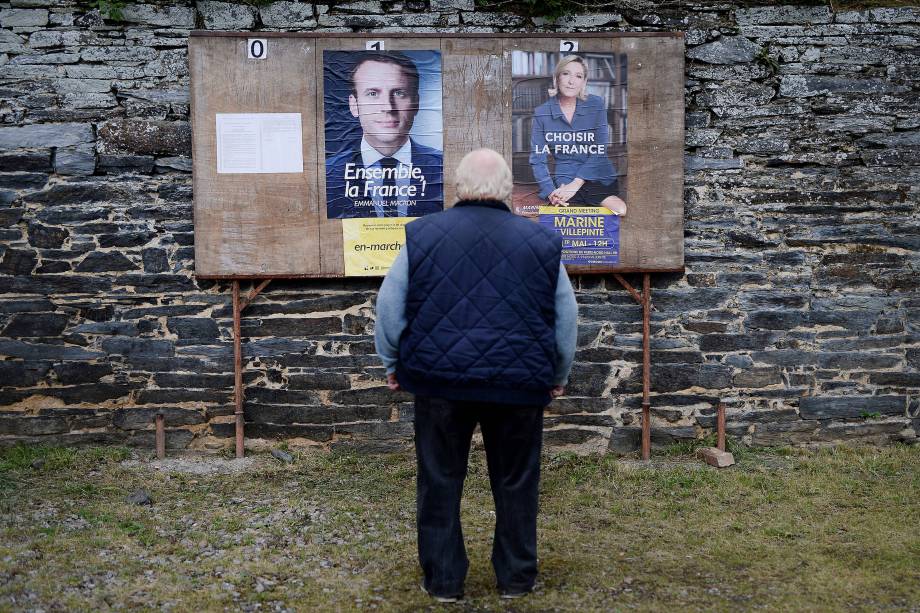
x=266, y=224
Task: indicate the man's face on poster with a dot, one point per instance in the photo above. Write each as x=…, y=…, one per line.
x=384, y=103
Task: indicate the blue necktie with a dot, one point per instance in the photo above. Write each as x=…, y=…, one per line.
x=389, y=181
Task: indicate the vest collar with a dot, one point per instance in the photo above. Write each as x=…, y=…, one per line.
x=492, y=204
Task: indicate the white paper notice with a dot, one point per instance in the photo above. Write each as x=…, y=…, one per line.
x=259, y=143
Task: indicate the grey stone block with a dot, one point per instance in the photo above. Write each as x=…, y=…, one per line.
x=72, y=373
x=180, y=163
x=17, y=262
x=22, y=373
x=320, y=414
x=726, y=50
x=318, y=433
x=172, y=63
x=12, y=43
x=380, y=395
x=558, y=437
x=203, y=328
x=625, y=440
x=46, y=135
x=156, y=15
x=33, y=426
x=798, y=86
x=783, y=15
x=155, y=260
x=783, y=433
x=226, y=16
x=89, y=101
x=757, y=378
x=834, y=407
x=137, y=136
x=292, y=326
x=176, y=438
x=23, y=18
x=136, y=56
x=139, y=418
x=287, y=15
x=141, y=347
x=105, y=262
x=872, y=431
x=452, y=5
x=75, y=161
x=735, y=95
x=895, y=15
x=42, y=352
x=36, y=324
x=586, y=21
x=318, y=380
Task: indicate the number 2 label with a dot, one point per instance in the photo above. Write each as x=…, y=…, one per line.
x=568, y=46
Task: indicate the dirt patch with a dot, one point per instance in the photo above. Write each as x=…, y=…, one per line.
x=200, y=464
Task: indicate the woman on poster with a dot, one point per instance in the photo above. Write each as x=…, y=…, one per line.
x=571, y=127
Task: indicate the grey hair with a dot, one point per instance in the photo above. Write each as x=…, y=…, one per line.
x=563, y=62
x=483, y=174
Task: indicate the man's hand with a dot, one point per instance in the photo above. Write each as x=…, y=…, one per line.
x=557, y=391
x=392, y=383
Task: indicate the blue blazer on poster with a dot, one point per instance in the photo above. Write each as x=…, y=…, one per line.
x=590, y=119
x=340, y=206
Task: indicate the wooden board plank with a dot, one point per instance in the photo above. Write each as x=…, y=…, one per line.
x=251, y=223
x=656, y=144
x=473, y=102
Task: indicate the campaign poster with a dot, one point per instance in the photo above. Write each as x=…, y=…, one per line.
x=370, y=244
x=569, y=148
x=590, y=235
x=384, y=133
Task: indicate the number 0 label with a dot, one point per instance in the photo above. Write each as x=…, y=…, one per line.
x=568, y=46
x=374, y=45
x=257, y=48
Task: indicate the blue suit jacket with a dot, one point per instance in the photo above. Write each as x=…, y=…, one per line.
x=590, y=120
x=339, y=205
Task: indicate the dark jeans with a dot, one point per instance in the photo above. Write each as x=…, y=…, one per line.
x=513, y=436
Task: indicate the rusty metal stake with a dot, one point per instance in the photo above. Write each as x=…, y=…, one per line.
x=646, y=367
x=161, y=435
x=720, y=427
x=237, y=371
x=645, y=300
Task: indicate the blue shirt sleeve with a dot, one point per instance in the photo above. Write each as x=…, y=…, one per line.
x=566, y=327
x=391, y=311
x=539, y=159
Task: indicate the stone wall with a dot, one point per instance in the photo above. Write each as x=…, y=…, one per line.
x=799, y=306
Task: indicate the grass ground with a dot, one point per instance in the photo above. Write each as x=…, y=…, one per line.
x=781, y=530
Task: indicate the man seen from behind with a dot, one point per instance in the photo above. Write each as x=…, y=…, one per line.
x=478, y=319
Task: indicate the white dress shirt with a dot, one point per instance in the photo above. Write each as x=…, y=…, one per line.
x=371, y=157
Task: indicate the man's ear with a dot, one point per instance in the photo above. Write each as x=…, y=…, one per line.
x=353, y=105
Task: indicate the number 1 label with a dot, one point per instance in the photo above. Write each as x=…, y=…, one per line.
x=374, y=45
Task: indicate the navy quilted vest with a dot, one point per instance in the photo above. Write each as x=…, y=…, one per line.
x=480, y=306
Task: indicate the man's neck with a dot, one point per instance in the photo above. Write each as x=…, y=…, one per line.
x=389, y=150
x=371, y=155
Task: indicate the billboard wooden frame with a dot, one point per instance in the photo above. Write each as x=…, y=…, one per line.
x=287, y=225
x=663, y=119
